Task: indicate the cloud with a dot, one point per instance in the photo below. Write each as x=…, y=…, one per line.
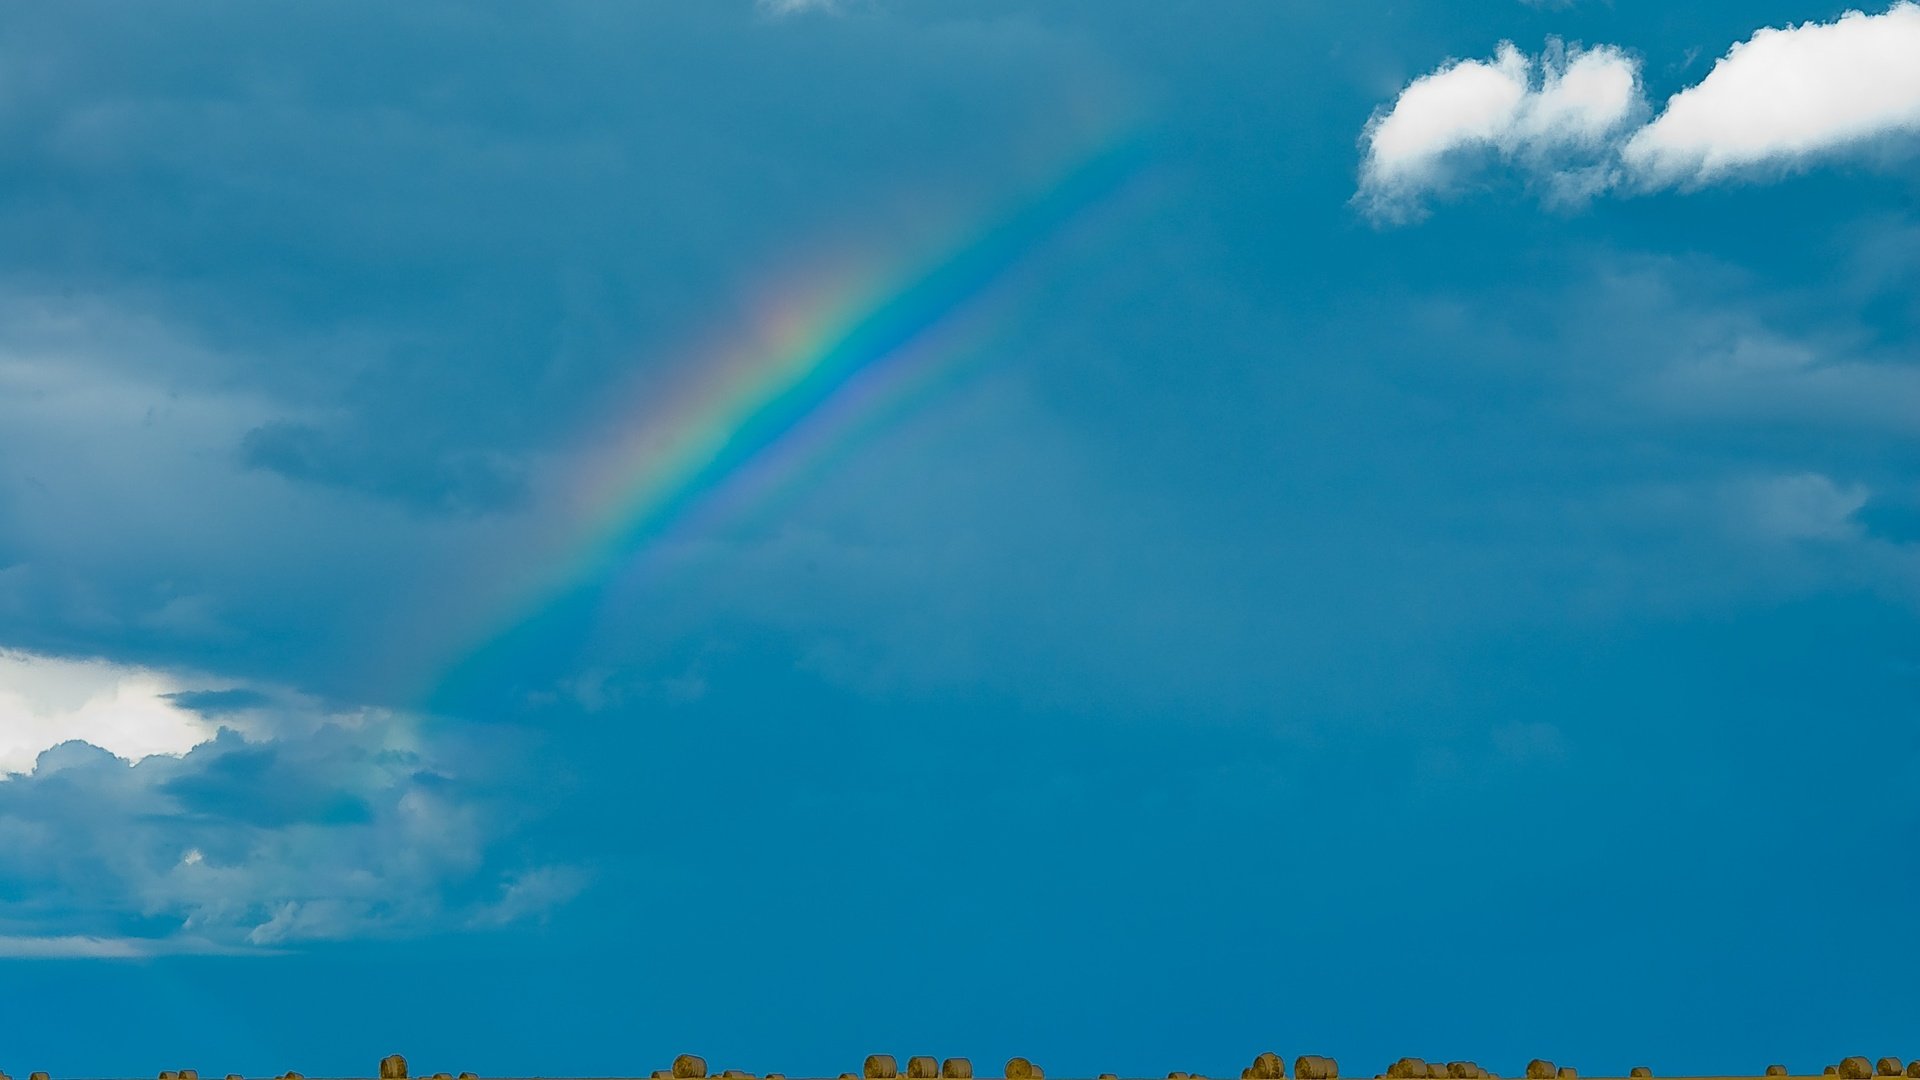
x=797, y=7
x=1477, y=107
x=1782, y=99
x=154, y=832
x=1786, y=97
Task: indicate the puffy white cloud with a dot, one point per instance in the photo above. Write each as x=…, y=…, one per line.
x=162, y=813
x=1580, y=99
x=1785, y=96
x=1781, y=99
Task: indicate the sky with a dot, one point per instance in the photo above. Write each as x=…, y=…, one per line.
x=545, y=537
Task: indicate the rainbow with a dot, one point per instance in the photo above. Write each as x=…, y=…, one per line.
x=823, y=366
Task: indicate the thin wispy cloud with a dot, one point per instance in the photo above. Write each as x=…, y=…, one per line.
x=1783, y=99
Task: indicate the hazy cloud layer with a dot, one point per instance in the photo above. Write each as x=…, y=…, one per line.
x=1782, y=99
x=142, y=827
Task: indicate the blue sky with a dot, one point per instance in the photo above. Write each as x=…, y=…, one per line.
x=1400, y=536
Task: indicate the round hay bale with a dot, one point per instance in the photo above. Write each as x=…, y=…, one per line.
x=1887, y=1066
x=662, y=1074
x=1568, y=1072
x=37, y=1076
x=689, y=1067
x=1460, y=1070
x=469, y=1076
x=1021, y=1069
x=1831, y=1070
x=776, y=1076
x=880, y=1067
x=735, y=1074
x=1246, y=1073
x=169, y=1074
x=393, y=1067
x=1640, y=1071
x=848, y=1076
x=436, y=1076
x=1776, y=1070
x=189, y=1074
x=1913, y=1067
x=1176, y=1076
x=1437, y=1070
x=922, y=1068
x=1268, y=1066
x=1315, y=1067
x=957, y=1069
x=1855, y=1068
x=1540, y=1069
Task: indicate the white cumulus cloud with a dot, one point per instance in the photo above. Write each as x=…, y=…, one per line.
x=1576, y=101
x=1785, y=96
x=1782, y=99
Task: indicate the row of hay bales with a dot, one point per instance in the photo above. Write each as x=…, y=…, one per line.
x=1856, y=1068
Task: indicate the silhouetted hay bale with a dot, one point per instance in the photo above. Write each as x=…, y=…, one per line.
x=880, y=1067
x=1855, y=1068
x=1021, y=1069
x=957, y=1069
x=1315, y=1067
x=1640, y=1071
x=1776, y=1070
x=1540, y=1069
x=689, y=1067
x=1887, y=1066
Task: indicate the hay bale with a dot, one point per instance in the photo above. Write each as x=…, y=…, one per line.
x=1176, y=1076
x=922, y=1068
x=1437, y=1070
x=1855, y=1068
x=734, y=1074
x=1640, y=1071
x=468, y=1076
x=393, y=1067
x=37, y=1076
x=1540, y=1069
x=1913, y=1067
x=1831, y=1070
x=957, y=1069
x=1568, y=1072
x=661, y=1074
x=880, y=1067
x=436, y=1076
x=1407, y=1066
x=848, y=1076
x=1315, y=1067
x=169, y=1074
x=1460, y=1070
x=689, y=1067
x=1021, y=1069
x=1887, y=1066
x=1268, y=1066
x=1776, y=1070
